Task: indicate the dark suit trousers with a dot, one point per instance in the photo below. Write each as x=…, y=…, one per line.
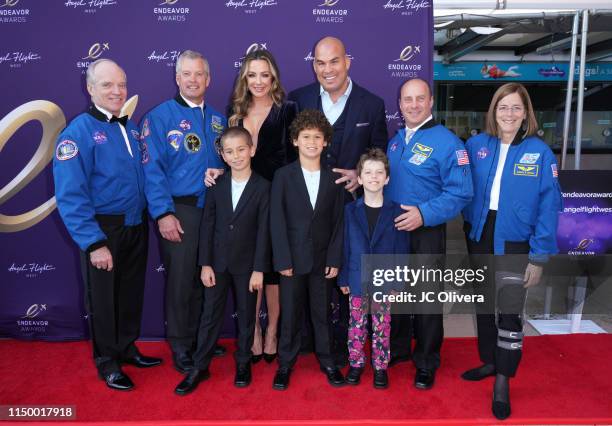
x=294, y=293
x=507, y=300
x=183, y=286
x=114, y=299
x=215, y=299
x=427, y=328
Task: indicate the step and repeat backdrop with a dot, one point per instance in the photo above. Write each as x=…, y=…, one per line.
x=45, y=49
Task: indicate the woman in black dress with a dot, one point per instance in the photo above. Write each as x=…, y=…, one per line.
x=258, y=105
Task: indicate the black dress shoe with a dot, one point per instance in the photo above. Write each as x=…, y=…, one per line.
x=191, y=381
x=396, y=359
x=243, y=375
x=353, y=377
x=219, y=350
x=334, y=376
x=269, y=358
x=424, y=379
x=182, y=362
x=117, y=380
x=281, y=378
x=381, y=380
x=142, y=361
x=479, y=373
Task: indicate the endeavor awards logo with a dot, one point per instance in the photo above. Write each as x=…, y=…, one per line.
x=96, y=51
x=32, y=321
x=89, y=6
x=406, y=7
x=406, y=64
x=171, y=11
x=250, y=7
x=10, y=13
x=329, y=12
x=252, y=47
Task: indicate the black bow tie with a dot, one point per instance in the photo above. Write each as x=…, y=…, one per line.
x=123, y=120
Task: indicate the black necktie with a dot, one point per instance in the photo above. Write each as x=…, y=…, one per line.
x=123, y=120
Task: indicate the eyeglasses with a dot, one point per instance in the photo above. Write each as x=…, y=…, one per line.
x=513, y=109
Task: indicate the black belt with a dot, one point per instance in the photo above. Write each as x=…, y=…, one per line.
x=111, y=219
x=186, y=200
x=115, y=219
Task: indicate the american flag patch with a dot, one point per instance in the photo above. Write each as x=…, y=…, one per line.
x=555, y=173
x=462, y=157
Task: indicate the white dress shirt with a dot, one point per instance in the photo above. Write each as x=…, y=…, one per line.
x=237, y=190
x=312, y=184
x=331, y=109
x=123, y=132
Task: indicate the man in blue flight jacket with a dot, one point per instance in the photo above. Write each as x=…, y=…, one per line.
x=180, y=135
x=99, y=185
x=430, y=178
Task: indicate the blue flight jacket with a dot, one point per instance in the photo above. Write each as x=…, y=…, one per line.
x=181, y=146
x=386, y=239
x=529, y=196
x=95, y=174
x=430, y=172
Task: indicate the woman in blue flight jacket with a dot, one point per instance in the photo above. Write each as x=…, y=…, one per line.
x=514, y=214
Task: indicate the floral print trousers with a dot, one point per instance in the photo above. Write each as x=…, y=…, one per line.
x=358, y=331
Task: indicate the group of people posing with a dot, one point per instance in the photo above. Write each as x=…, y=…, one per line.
x=280, y=201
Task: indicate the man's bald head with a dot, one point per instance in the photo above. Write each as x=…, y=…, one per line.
x=331, y=65
x=416, y=102
x=418, y=82
x=330, y=42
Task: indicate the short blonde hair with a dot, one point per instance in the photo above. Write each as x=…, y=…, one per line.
x=530, y=126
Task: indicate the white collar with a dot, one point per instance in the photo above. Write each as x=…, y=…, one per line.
x=105, y=112
x=346, y=93
x=420, y=125
x=191, y=104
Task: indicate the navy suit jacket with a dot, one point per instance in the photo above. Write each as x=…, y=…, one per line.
x=386, y=239
x=366, y=125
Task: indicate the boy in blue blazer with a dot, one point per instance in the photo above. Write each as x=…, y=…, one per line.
x=369, y=229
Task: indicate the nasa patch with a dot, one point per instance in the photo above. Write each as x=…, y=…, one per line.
x=482, y=153
x=99, y=137
x=66, y=150
x=393, y=147
x=185, y=125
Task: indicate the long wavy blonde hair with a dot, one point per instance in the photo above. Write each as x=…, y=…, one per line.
x=242, y=98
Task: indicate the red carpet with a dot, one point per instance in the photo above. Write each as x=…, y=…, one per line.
x=563, y=379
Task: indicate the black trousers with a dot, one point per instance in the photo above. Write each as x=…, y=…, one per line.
x=499, y=319
x=183, y=288
x=114, y=299
x=295, y=291
x=427, y=329
x=215, y=299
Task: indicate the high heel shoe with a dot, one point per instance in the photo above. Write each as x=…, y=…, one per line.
x=269, y=358
x=256, y=358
